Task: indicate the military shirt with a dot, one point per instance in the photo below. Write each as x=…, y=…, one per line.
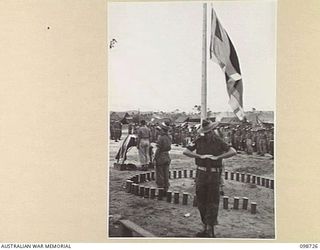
x=211, y=146
x=144, y=132
x=163, y=147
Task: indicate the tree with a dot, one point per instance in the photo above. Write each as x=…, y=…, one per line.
x=197, y=109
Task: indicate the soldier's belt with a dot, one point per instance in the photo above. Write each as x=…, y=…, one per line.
x=209, y=169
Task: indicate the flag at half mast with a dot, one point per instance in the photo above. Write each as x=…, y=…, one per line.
x=223, y=53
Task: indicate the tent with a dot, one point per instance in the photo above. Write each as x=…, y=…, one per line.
x=129, y=142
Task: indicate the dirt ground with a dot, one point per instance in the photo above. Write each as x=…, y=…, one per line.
x=165, y=219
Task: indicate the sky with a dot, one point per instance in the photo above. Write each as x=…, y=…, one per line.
x=156, y=63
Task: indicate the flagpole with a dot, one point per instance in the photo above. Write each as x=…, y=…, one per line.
x=204, y=66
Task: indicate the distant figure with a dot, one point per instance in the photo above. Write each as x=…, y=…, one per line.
x=117, y=128
x=162, y=157
x=233, y=141
x=249, y=144
x=153, y=133
x=263, y=143
x=237, y=138
x=135, y=129
x=272, y=145
x=269, y=137
x=112, y=131
x=210, y=150
x=130, y=128
x=143, y=145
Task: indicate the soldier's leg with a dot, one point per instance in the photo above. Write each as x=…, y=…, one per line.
x=159, y=176
x=264, y=147
x=141, y=154
x=166, y=176
x=201, y=192
x=148, y=152
x=213, y=199
x=144, y=153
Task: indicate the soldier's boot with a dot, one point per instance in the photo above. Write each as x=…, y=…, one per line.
x=211, y=232
x=204, y=233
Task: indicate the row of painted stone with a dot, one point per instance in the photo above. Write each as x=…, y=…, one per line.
x=140, y=178
x=156, y=193
x=245, y=202
x=248, y=178
x=160, y=194
x=241, y=177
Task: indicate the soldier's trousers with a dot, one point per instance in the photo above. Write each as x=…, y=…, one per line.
x=162, y=176
x=208, y=196
x=144, y=151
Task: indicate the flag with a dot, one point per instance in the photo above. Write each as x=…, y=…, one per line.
x=223, y=52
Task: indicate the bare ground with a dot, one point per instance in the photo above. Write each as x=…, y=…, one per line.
x=176, y=220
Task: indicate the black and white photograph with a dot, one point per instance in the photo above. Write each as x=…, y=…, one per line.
x=191, y=119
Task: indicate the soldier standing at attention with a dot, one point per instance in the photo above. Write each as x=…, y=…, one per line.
x=162, y=157
x=112, y=130
x=117, y=126
x=209, y=149
x=130, y=128
x=143, y=145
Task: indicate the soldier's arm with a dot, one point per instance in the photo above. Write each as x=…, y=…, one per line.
x=231, y=152
x=191, y=154
x=189, y=151
x=222, y=176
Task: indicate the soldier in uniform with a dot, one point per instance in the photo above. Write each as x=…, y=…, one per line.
x=156, y=132
x=152, y=130
x=162, y=157
x=259, y=136
x=117, y=126
x=176, y=136
x=249, y=143
x=112, y=130
x=209, y=149
x=143, y=145
x=237, y=138
x=268, y=135
x=243, y=139
x=233, y=140
x=183, y=137
x=263, y=142
x=254, y=141
x=130, y=128
x=271, y=143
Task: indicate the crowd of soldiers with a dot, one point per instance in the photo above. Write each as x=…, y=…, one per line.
x=154, y=128
x=181, y=135
x=249, y=139
x=244, y=137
